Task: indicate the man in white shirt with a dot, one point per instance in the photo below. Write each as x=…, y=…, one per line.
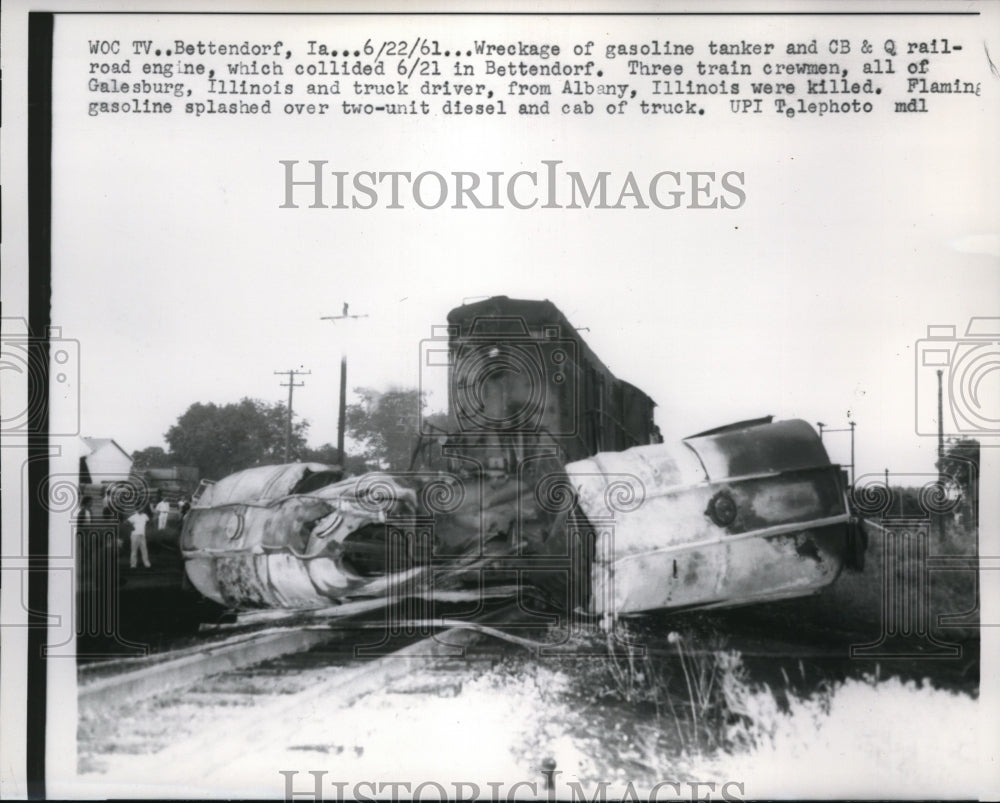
x=138, y=520
x=84, y=516
x=162, y=510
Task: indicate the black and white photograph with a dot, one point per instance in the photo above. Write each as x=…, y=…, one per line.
x=500, y=401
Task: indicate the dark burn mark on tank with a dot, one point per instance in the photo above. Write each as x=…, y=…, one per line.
x=805, y=494
x=238, y=583
x=692, y=564
x=805, y=547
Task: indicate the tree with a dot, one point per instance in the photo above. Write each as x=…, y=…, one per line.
x=328, y=455
x=386, y=425
x=152, y=457
x=960, y=462
x=221, y=440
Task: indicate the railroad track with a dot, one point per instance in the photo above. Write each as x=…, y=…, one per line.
x=183, y=707
x=254, y=638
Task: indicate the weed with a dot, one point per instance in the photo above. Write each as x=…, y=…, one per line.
x=692, y=688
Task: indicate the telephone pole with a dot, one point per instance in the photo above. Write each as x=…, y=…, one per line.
x=853, y=425
x=342, y=407
x=291, y=373
x=939, y=519
x=940, y=443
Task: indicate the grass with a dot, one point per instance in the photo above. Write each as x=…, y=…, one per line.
x=854, y=602
x=692, y=709
x=850, y=611
x=858, y=738
x=683, y=687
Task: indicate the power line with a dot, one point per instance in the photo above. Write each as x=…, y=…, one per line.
x=291, y=373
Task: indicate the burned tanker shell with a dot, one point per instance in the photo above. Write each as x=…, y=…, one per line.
x=746, y=513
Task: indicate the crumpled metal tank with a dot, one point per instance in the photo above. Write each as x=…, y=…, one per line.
x=295, y=536
x=275, y=536
x=742, y=514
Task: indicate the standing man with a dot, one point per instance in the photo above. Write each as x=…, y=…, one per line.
x=138, y=520
x=86, y=542
x=84, y=516
x=162, y=510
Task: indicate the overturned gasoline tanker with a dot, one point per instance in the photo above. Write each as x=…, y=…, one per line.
x=550, y=476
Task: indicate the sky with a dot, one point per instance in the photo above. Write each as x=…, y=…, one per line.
x=183, y=280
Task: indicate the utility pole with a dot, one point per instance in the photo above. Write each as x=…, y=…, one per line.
x=853, y=425
x=939, y=519
x=292, y=384
x=940, y=460
x=342, y=407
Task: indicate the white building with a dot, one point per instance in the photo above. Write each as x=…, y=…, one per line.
x=103, y=460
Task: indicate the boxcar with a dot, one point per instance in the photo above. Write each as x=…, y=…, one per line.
x=520, y=372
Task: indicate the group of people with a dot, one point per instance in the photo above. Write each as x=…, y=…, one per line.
x=140, y=521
